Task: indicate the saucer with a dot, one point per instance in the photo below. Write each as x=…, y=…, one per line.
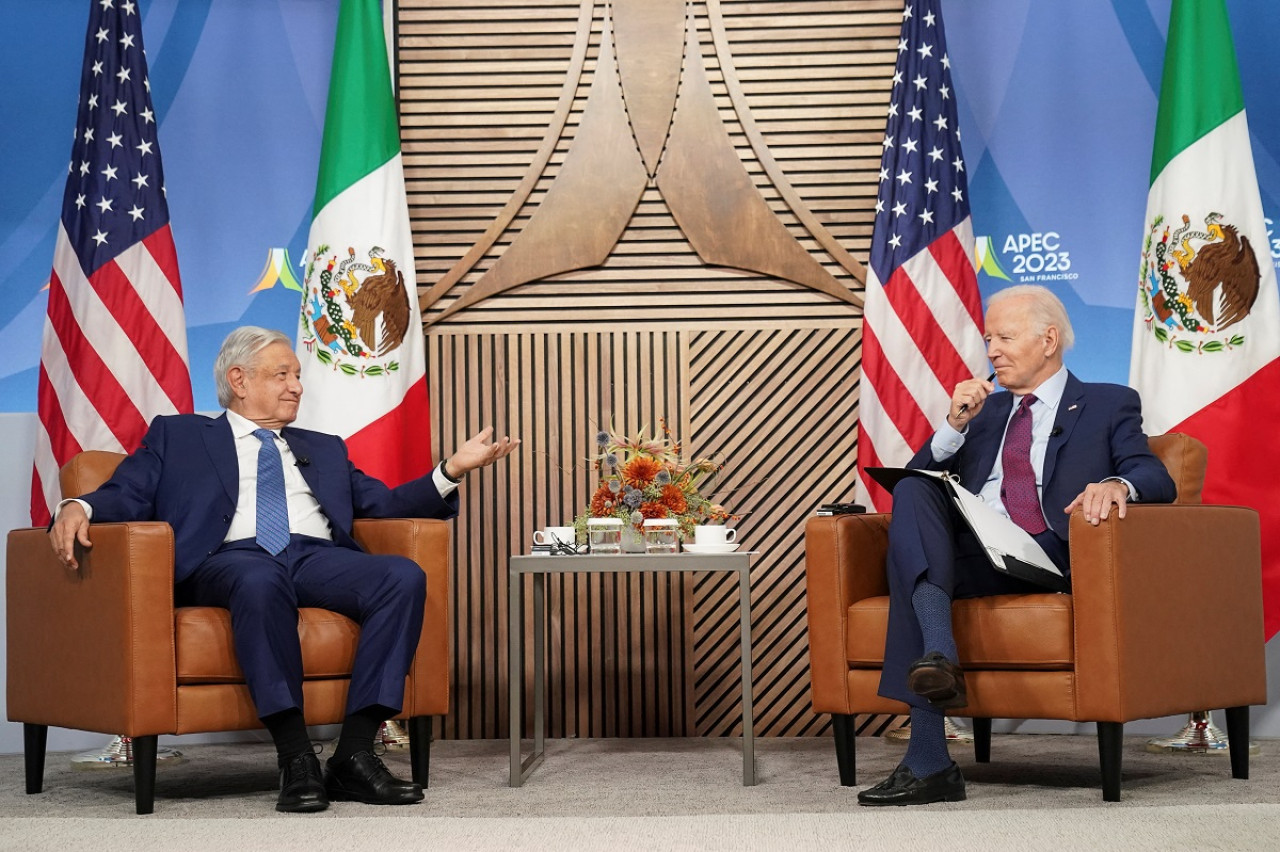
x=711, y=548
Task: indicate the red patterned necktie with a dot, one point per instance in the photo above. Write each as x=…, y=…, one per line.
x=1018, y=488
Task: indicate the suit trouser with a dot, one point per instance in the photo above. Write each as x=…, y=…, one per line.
x=383, y=594
x=929, y=540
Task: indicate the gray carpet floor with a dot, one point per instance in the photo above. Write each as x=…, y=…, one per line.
x=1038, y=792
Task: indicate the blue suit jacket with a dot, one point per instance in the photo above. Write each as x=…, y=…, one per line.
x=186, y=474
x=1098, y=434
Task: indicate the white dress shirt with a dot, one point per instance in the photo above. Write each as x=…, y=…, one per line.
x=1044, y=412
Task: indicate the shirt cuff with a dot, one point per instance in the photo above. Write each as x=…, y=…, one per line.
x=88, y=510
x=444, y=485
x=946, y=442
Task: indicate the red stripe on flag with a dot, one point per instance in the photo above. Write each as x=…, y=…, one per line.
x=950, y=255
x=1233, y=427
x=895, y=400
x=95, y=379
x=160, y=245
x=879, y=498
x=397, y=446
x=40, y=516
x=49, y=409
x=929, y=338
x=154, y=346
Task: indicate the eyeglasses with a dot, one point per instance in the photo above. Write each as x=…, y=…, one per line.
x=562, y=548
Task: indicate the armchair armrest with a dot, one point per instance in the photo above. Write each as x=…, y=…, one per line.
x=93, y=649
x=426, y=542
x=1168, y=611
x=844, y=559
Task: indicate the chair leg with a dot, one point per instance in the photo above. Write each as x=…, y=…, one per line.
x=34, y=738
x=1238, y=738
x=420, y=748
x=846, y=735
x=1110, y=739
x=981, y=740
x=144, y=773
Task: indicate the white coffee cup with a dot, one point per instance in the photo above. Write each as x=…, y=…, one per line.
x=554, y=535
x=713, y=534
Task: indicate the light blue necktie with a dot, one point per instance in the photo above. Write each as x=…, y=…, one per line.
x=273, y=509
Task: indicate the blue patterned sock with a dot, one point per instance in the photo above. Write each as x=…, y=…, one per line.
x=927, y=748
x=933, y=611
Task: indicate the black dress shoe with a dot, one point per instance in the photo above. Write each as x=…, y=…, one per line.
x=302, y=785
x=904, y=788
x=939, y=681
x=364, y=778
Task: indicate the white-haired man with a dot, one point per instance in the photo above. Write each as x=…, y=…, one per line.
x=262, y=517
x=1046, y=446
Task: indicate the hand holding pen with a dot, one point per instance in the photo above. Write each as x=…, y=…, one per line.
x=967, y=400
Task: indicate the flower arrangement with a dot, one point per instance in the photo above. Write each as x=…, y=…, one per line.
x=643, y=477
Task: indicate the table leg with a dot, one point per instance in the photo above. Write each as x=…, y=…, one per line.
x=539, y=664
x=748, y=719
x=515, y=678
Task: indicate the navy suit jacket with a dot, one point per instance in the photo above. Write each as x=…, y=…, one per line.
x=1098, y=435
x=186, y=474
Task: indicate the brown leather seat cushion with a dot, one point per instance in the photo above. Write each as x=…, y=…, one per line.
x=206, y=654
x=1000, y=632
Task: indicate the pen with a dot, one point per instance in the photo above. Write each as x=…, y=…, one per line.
x=965, y=406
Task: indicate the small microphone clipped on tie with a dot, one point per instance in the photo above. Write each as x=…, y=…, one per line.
x=303, y=461
x=1057, y=430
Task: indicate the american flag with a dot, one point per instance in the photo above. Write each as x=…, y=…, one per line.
x=922, y=326
x=114, y=352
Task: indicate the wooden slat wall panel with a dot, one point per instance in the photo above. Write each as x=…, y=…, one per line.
x=618, y=647
x=779, y=405
x=758, y=369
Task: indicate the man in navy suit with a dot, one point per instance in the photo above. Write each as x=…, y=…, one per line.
x=1047, y=446
x=262, y=517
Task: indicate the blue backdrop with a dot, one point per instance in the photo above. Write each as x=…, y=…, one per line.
x=1057, y=106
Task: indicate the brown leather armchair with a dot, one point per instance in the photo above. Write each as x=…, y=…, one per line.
x=104, y=649
x=1164, y=617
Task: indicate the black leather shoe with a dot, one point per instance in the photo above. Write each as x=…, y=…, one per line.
x=938, y=680
x=364, y=778
x=302, y=786
x=904, y=788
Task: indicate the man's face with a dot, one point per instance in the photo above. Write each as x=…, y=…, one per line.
x=268, y=390
x=1021, y=357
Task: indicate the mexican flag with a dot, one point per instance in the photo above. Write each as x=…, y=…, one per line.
x=1206, y=336
x=360, y=338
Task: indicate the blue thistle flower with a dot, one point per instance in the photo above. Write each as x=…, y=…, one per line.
x=602, y=438
x=663, y=477
x=611, y=459
x=614, y=486
x=633, y=498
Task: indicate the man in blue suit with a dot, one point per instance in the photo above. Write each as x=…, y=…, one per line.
x=1047, y=446
x=262, y=517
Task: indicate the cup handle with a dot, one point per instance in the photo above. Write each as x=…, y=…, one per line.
x=729, y=536
x=539, y=537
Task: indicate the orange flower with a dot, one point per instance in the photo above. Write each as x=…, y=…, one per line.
x=640, y=470
x=602, y=502
x=653, y=510
x=673, y=499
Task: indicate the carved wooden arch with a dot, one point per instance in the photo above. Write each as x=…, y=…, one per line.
x=634, y=130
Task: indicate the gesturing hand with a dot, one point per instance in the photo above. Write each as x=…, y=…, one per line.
x=479, y=451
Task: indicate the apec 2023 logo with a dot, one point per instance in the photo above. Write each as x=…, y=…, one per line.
x=1025, y=258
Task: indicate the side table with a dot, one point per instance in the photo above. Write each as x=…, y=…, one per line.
x=539, y=567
